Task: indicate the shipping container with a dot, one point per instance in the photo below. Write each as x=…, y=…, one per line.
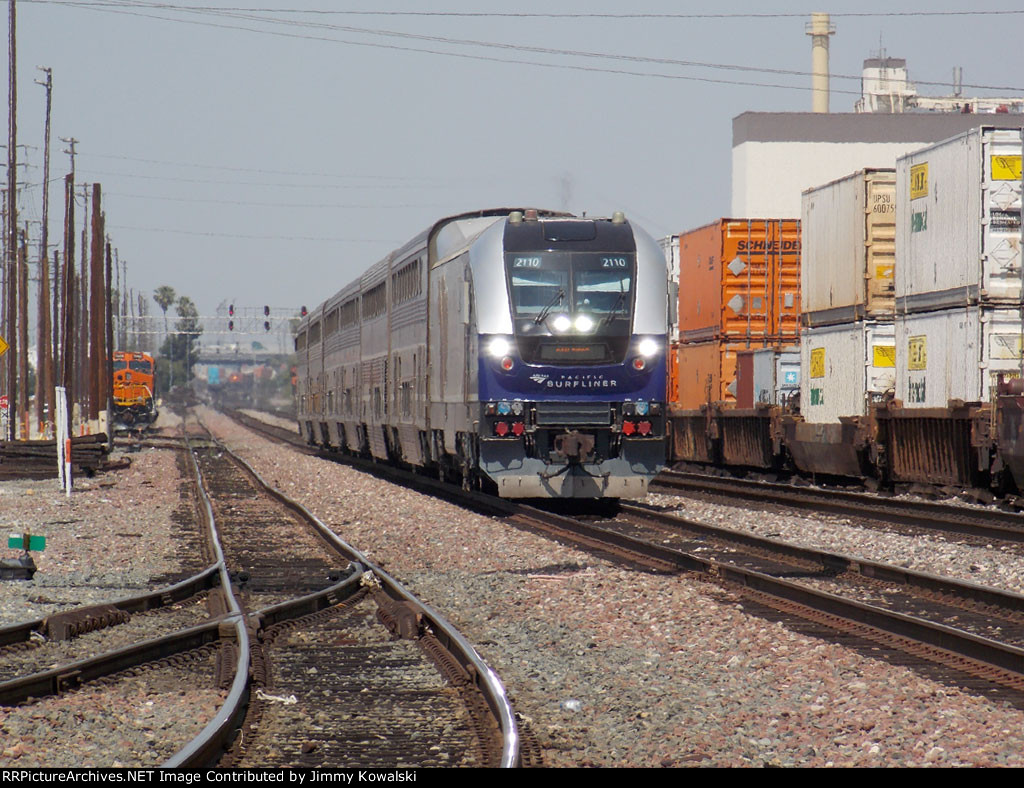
x=739, y=279
x=958, y=231
x=766, y=376
x=706, y=372
x=848, y=249
x=845, y=367
x=670, y=248
x=955, y=354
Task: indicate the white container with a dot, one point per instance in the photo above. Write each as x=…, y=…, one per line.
x=958, y=231
x=670, y=248
x=776, y=375
x=955, y=354
x=844, y=367
x=849, y=248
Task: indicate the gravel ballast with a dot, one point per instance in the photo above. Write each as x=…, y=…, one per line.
x=612, y=667
x=607, y=666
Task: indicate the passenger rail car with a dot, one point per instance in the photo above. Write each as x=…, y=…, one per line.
x=133, y=387
x=522, y=351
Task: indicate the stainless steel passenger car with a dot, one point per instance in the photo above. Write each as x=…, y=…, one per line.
x=521, y=351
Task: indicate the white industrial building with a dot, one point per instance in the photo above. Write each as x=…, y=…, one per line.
x=777, y=155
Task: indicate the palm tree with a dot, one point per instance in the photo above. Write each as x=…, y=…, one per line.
x=164, y=297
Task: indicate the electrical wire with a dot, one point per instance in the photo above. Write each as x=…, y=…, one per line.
x=121, y=6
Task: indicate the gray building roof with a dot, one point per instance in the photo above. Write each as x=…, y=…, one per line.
x=923, y=127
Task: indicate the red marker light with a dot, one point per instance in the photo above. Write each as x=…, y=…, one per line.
x=639, y=363
x=507, y=363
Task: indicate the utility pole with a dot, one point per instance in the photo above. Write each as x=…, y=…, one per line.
x=97, y=313
x=11, y=258
x=107, y=388
x=44, y=352
x=23, y=431
x=67, y=322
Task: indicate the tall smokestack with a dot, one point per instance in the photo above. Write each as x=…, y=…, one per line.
x=819, y=30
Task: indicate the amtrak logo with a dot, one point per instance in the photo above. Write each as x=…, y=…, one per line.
x=538, y=379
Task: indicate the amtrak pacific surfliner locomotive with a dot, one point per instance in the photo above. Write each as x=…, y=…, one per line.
x=518, y=350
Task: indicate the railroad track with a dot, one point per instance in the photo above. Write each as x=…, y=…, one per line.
x=318, y=616
x=961, y=632
x=919, y=516
x=383, y=679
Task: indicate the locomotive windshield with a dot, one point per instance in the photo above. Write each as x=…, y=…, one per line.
x=135, y=365
x=580, y=298
x=571, y=282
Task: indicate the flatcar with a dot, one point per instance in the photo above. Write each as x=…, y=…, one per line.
x=133, y=387
x=519, y=351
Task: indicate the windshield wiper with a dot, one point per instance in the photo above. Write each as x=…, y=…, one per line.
x=619, y=302
x=547, y=310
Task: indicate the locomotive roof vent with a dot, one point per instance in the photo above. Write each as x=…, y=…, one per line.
x=531, y=214
x=515, y=217
x=618, y=218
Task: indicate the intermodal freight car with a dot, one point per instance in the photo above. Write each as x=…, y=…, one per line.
x=910, y=331
x=520, y=351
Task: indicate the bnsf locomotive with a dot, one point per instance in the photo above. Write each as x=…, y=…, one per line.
x=133, y=387
x=519, y=351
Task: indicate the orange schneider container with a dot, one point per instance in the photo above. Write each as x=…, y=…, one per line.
x=739, y=279
x=707, y=372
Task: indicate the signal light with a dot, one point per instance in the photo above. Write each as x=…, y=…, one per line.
x=303, y=311
x=231, y=310
x=266, y=325
x=266, y=311
x=231, y=325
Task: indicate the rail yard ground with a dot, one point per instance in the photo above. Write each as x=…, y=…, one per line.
x=605, y=665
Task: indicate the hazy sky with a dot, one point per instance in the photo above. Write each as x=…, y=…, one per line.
x=268, y=154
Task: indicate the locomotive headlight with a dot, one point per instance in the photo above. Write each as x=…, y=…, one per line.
x=648, y=347
x=584, y=324
x=498, y=347
x=562, y=323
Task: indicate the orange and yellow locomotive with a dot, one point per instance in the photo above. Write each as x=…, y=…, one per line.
x=133, y=387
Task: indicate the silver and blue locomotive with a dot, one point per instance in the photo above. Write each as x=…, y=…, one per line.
x=520, y=351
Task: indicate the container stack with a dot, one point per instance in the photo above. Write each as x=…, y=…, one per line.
x=958, y=285
x=847, y=347
x=739, y=289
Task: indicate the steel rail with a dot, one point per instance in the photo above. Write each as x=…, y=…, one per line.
x=839, y=562
x=921, y=514
x=154, y=600
x=206, y=747
x=1002, y=655
x=483, y=677
x=947, y=640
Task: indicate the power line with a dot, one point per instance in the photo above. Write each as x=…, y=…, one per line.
x=362, y=186
x=122, y=7
x=257, y=171
x=334, y=206
x=528, y=14
x=252, y=237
